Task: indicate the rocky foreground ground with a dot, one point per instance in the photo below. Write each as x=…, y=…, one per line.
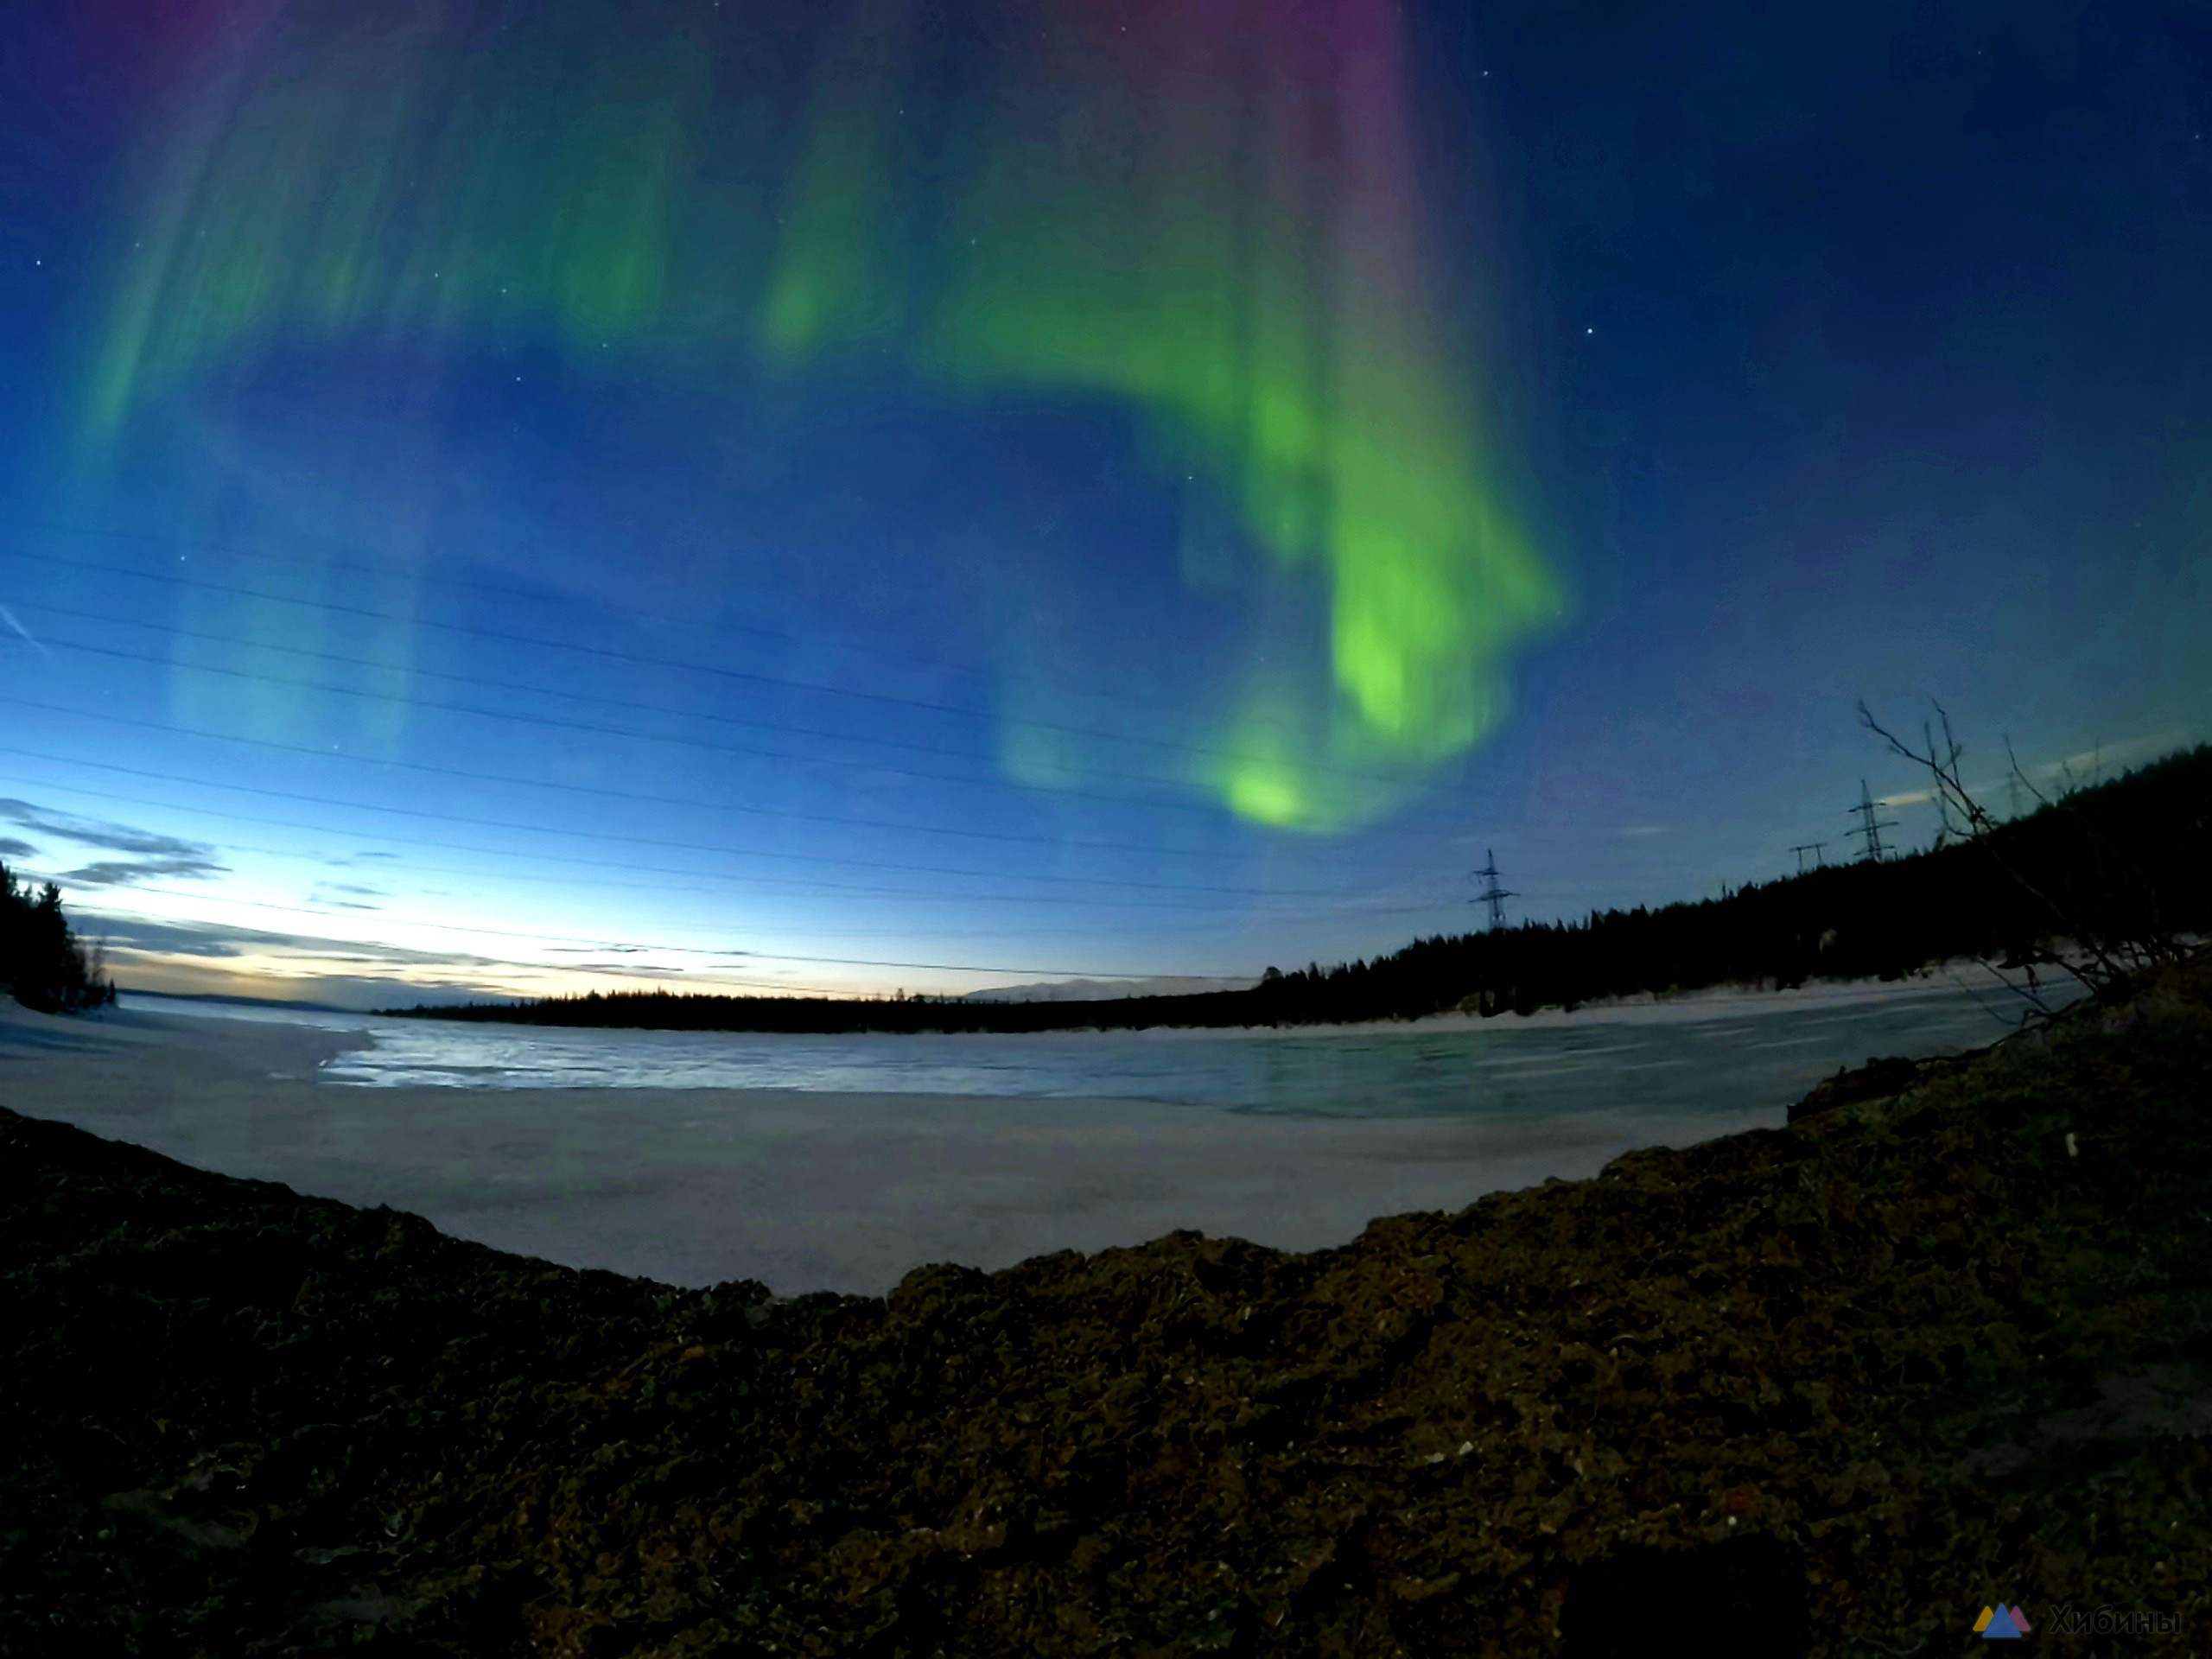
x=1827, y=1390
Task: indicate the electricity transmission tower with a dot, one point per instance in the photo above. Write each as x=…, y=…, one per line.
x=1492, y=895
x=1871, y=825
x=1820, y=861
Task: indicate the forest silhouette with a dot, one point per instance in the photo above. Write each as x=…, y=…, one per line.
x=2114, y=861
x=43, y=963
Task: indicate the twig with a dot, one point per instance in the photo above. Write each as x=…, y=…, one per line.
x=2109, y=961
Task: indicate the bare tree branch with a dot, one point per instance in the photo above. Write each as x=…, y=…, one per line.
x=2108, y=953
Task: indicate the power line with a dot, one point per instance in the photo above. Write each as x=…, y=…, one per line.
x=803, y=883
x=639, y=797
x=414, y=868
x=744, y=984
x=555, y=723
x=1812, y=846
x=368, y=569
x=634, y=660
x=669, y=950
x=656, y=840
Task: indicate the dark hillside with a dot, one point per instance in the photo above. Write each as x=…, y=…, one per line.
x=1826, y=1389
x=2117, y=861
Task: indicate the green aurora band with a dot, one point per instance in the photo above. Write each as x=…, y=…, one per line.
x=1205, y=211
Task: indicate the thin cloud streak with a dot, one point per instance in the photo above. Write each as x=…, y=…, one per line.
x=155, y=955
x=119, y=873
x=100, y=832
x=2083, y=766
x=9, y=617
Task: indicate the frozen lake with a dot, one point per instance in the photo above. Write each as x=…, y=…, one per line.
x=842, y=1163
x=1691, y=1053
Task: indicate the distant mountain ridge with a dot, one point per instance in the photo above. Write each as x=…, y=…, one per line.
x=1109, y=990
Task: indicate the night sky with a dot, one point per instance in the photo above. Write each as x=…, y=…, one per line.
x=875, y=494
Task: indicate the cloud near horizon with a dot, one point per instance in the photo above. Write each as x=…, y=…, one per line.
x=344, y=895
x=199, y=957
x=2083, y=767
x=119, y=873
x=102, y=833
x=210, y=939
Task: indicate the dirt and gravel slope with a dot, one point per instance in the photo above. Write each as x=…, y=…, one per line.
x=1859, y=1377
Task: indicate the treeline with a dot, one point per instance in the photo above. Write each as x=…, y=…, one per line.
x=44, y=964
x=2119, y=861
x=825, y=1016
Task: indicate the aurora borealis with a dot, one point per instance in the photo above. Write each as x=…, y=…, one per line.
x=1209, y=215
x=934, y=493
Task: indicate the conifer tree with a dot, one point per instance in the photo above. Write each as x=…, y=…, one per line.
x=42, y=963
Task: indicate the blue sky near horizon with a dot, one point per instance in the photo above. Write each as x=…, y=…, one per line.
x=1782, y=364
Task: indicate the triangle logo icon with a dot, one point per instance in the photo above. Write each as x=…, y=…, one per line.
x=2000, y=1626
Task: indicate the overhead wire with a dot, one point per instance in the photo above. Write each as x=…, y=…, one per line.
x=662, y=949
x=681, y=713
x=803, y=883
x=657, y=841
x=640, y=796
x=635, y=660
x=552, y=722
x=370, y=568
x=413, y=867
x=708, y=716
